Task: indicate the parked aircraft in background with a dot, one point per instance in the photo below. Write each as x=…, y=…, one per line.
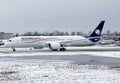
x=55, y=42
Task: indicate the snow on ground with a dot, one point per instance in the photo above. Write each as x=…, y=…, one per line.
x=25, y=72
x=46, y=72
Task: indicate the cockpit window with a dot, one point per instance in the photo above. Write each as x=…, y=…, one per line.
x=9, y=40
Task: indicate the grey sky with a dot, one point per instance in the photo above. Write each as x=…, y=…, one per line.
x=64, y=15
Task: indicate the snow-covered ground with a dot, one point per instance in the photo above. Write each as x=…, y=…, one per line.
x=26, y=72
x=58, y=72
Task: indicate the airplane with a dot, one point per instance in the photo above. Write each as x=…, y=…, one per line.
x=55, y=43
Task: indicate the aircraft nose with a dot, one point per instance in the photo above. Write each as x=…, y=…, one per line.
x=3, y=44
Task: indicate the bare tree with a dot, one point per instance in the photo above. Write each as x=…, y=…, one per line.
x=36, y=33
x=28, y=34
x=72, y=33
x=66, y=33
x=79, y=33
x=62, y=33
x=116, y=33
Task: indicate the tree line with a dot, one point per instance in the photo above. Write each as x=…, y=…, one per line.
x=55, y=33
x=61, y=33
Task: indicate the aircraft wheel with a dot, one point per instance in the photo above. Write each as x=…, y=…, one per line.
x=62, y=49
x=14, y=49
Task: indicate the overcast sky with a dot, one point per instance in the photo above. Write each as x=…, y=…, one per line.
x=19, y=16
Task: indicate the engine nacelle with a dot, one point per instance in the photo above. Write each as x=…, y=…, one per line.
x=54, y=45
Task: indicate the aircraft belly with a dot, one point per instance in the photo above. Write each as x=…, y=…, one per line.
x=39, y=44
x=36, y=44
x=80, y=43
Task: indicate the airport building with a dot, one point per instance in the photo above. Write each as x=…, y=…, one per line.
x=5, y=35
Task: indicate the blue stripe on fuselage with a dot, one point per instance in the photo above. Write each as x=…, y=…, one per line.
x=93, y=39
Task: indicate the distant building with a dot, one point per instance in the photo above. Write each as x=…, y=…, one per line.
x=5, y=35
x=111, y=36
x=117, y=38
x=107, y=37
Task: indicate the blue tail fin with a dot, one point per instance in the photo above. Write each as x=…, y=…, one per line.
x=95, y=36
x=97, y=32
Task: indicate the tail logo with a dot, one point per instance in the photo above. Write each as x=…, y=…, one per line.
x=97, y=32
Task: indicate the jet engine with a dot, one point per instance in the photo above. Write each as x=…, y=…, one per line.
x=54, y=46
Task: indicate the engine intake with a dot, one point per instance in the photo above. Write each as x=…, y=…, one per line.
x=54, y=45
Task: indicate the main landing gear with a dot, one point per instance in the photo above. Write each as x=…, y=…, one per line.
x=13, y=49
x=62, y=49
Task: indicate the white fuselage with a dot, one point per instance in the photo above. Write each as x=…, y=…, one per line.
x=43, y=41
